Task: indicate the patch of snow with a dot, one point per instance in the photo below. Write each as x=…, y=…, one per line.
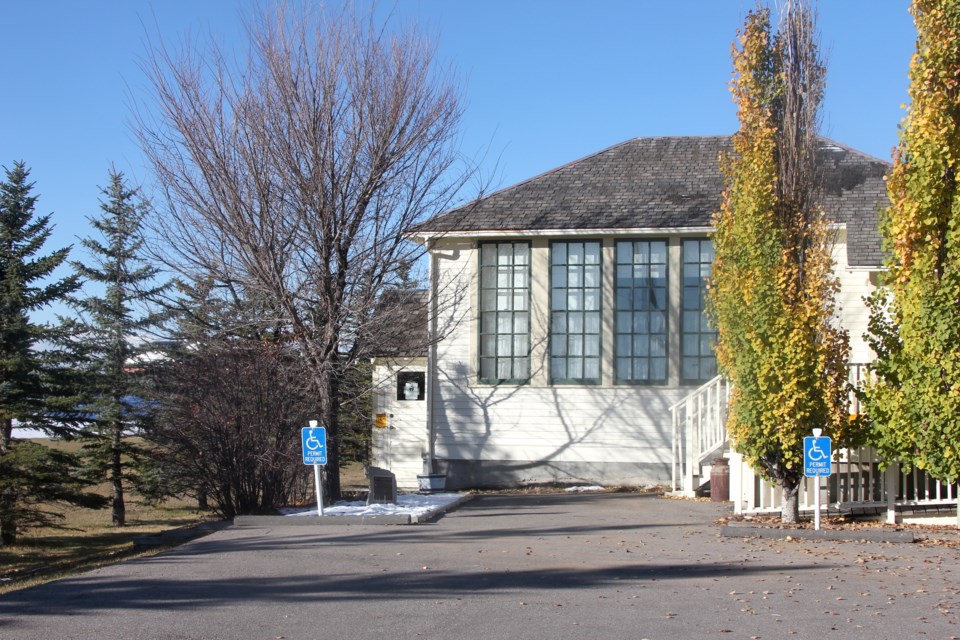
x=593, y=487
x=413, y=504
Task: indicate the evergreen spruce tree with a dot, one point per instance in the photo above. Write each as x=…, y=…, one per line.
x=111, y=330
x=914, y=404
x=32, y=385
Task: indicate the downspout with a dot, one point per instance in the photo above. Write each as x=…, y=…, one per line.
x=431, y=357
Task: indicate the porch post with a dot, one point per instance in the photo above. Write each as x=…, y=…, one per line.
x=691, y=453
x=891, y=485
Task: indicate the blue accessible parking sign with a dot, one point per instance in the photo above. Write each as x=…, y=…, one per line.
x=314, y=445
x=816, y=456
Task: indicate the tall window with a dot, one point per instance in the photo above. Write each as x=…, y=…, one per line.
x=641, y=321
x=575, y=301
x=698, y=363
x=505, y=312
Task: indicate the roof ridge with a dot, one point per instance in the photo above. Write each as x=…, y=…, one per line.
x=853, y=150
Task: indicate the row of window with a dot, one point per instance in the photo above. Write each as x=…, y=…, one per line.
x=576, y=304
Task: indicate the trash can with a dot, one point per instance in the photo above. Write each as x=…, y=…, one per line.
x=383, y=486
x=432, y=482
x=720, y=480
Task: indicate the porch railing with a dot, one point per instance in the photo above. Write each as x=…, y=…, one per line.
x=699, y=430
x=856, y=485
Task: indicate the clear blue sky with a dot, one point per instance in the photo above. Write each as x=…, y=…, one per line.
x=545, y=81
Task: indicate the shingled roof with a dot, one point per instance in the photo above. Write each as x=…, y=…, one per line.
x=665, y=183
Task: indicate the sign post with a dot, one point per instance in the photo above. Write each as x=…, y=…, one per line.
x=314, y=441
x=817, y=457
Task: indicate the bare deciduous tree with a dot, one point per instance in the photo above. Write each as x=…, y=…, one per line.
x=293, y=177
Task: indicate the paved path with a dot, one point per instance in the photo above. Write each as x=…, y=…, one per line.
x=507, y=567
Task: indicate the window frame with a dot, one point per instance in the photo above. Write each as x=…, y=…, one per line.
x=619, y=379
x=481, y=334
x=701, y=331
x=552, y=336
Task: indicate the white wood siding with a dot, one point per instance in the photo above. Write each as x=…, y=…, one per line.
x=856, y=284
x=581, y=425
x=609, y=434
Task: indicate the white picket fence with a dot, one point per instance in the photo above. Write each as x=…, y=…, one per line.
x=856, y=486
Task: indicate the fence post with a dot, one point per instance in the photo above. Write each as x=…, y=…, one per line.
x=890, y=486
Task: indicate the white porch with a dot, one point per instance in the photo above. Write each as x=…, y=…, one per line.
x=856, y=485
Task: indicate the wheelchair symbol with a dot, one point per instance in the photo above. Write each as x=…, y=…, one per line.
x=312, y=443
x=815, y=454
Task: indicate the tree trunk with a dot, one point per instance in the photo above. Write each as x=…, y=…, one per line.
x=116, y=478
x=8, y=523
x=790, y=513
x=329, y=418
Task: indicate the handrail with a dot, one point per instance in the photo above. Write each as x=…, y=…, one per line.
x=699, y=428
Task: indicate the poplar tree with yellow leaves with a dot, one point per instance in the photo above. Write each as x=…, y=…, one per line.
x=772, y=289
x=914, y=403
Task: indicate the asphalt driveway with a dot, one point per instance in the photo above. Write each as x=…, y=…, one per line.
x=507, y=566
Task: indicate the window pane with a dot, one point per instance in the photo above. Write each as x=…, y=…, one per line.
x=641, y=369
x=488, y=323
x=558, y=323
x=559, y=277
x=486, y=368
x=591, y=346
x=591, y=322
x=641, y=322
x=658, y=369
x=658, y=323
x=575, y=368
x=520, y=345
x=488, y=278
x=520, y=278
x=521, y=368
x=575, y=345
x=558, y=368
x=591, y=369
x=521, y=323
x=575, y=322
x=488, y=344
x=591, y=276
x=520, y=301
x=658, y=346
x=488, y=300
x=558, y=347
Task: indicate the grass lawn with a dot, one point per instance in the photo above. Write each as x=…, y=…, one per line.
x=88, y=540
